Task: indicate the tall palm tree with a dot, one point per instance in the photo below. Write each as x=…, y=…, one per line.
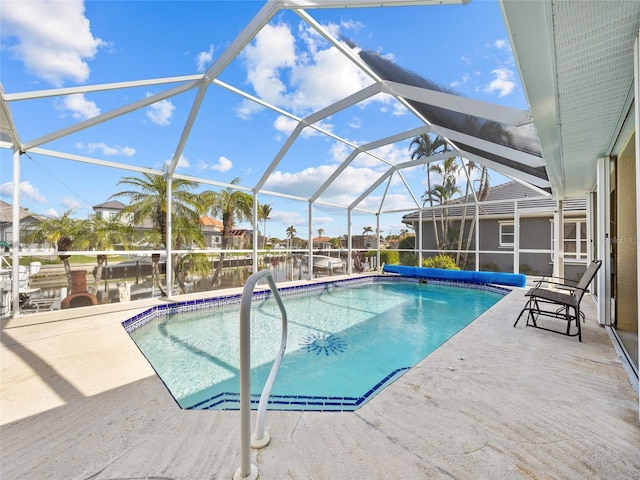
x=263, y=214
x=64, y=232
x=483, y=194
x=105, y=234
x=469, y=167
x=444, y=192
x=291, y=233
x=366, y=230
x=232, y=206
x=186, y=234
x=147, y=200
x=425, y=147
x=320, y=232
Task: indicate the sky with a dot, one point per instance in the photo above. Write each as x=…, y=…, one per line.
x=59, y=44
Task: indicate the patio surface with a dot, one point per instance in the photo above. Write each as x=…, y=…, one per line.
x=79, y=401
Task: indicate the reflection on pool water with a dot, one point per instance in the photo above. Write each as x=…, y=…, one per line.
x=345, y=343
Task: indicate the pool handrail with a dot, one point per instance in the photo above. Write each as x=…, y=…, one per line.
x=261, y=438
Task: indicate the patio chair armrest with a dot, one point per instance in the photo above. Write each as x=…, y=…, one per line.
x=557, y=282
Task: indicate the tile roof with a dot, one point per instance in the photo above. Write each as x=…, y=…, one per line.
x=531, y=198
x=6, y=213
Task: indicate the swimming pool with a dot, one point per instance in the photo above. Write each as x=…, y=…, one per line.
x=346, y=342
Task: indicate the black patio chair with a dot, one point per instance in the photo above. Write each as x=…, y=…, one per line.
x=561, y=300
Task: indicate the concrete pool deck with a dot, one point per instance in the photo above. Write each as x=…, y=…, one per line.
x=79, y=401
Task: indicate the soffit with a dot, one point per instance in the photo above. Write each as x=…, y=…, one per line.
x=576, y=66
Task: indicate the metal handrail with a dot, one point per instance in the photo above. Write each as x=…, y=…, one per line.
x=261, y=438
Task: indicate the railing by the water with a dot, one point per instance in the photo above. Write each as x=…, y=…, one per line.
x=260, y=438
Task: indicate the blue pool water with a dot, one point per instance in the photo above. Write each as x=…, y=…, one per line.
x=344, y=344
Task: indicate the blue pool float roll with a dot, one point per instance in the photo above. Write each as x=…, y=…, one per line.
x=498, y=278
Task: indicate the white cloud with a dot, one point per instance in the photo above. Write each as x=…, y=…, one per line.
x=182, y=162
x=78, y=106
x=71, y=203
x=52, y=38
x=399, y=109
x=355, y=123
x=316, y=78
x=246, y=108
x=107, y=150
x=51, y=213
x=160, y=112
x=26, y=190
x=286, y=125
x=503, y=82
x=349, y=184
x=500, y=44
x=339, y=151
x=222, y=165
x=456, y=83
x=205, y=59
x=396, y=201
x=284, y=219
x=394, y=153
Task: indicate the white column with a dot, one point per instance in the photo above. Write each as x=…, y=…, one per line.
x=558, y=240
x=636, y=71
x=378, y=240
x=349, y=244
x=15, y=237
x=310, y=244
x=169, y=260
x=254, y=221
x=477, y=239
x=603, y=222
x=516, y=238
x=419, y=238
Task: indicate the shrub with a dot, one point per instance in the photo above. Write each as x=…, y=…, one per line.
x=489, y=267
x=440, y=261
x=527, y=269
x=408, y=258
x=389, y=257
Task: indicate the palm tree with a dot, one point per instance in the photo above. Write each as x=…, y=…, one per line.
x=444, y=192
x=425, y=148
x=147, y=200
x=263, y=214
x=366, y=230
x=186, y=234
x=231, y=205
x=64, y=232
x=469, y=167
x=483, y=193
x=105, y=234
x=320, y=232
x=291, y=233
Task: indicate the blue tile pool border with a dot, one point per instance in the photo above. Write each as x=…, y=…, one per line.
x=231, y=400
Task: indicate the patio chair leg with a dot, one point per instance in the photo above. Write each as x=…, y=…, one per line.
x=526, y=307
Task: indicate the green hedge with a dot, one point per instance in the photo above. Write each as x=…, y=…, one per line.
x=389, y=257
x=440, y=261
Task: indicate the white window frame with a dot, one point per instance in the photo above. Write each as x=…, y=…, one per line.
x=501, y=233
x=580, y=255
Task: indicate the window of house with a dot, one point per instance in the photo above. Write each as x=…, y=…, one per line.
x=575, y=240
x=113, y=216
x=507, y=230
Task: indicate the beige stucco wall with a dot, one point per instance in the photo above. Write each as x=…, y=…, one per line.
x=627, y=243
